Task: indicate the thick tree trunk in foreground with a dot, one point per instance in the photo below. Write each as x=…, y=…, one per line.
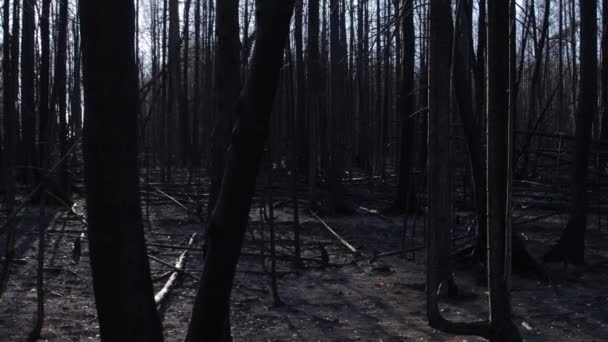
x=121, y=275
x=571, y=245
x=231, y=213
x=499, y=172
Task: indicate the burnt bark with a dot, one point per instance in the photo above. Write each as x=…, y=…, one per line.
x=28, y=110
x=228, y=84
x=571, y=245
x=58, y=105
x=604, y=54
x=231, y=213
x=440, y=220
x=121, y=273
x=312, y=86
x=407, y=99
x=499, y=121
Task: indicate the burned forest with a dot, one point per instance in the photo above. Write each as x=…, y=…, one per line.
x=303, y=170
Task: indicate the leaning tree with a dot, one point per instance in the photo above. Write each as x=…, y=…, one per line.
x=231, y=213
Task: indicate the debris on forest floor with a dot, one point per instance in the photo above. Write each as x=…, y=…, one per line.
x=377, y=296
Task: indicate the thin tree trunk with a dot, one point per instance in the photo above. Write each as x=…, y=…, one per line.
x=195, y=156
x=174, y=87
x=604, y=99
x=471, y=124
x=313, y=85
x=34, y=335
x=58, y=100
x=297, y=121
x=76, y=103
x=28, y=117
x=574, y=61
x=276, y=299
x=184, y=119
x=535, y=92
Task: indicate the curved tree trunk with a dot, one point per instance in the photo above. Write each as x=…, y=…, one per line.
x=231, y=213
x=440, y=200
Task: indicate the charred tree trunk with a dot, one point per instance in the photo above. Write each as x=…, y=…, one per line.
x=231, y=213
x=335, y=167
x=195, y=156
x=184, y=117
x=604, y=52
x=440, y=221
x=58, y=102
x=43, y=84
x=535, y=90
x=174, y=87
x=471, y=124
x=407, y=107
x=362, y=87
x=76, y=103
x=298, y=136
x=571, y=245
x=10, y=139
x=28, y=111
x=228, y=84
x=313, y=69
x=121, y=274
x=480, y=76
x=499, y=172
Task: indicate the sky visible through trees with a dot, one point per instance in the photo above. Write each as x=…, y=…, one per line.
x=310, y=170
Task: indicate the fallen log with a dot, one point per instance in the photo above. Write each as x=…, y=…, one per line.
x=336, y=235
x=187, y=248
x=179, y=268
x=377, y=256
x=169, y=197
x=372, y=212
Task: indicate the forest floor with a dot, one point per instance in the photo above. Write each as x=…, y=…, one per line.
x=346, y=298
